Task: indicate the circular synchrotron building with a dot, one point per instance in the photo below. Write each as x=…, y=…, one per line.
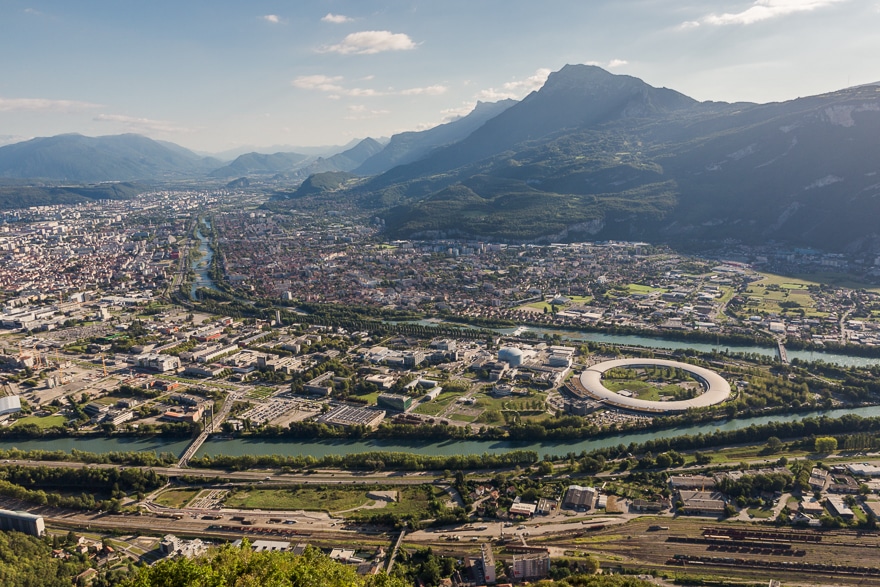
x=716, y=389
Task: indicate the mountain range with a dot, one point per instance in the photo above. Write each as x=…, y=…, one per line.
x=590, y=155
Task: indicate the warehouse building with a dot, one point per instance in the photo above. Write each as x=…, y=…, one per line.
x=22, y=522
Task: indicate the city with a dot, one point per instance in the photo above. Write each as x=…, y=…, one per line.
x=439, y=294
x=445, y=343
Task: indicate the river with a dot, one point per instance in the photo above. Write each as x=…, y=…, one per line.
x=665, y=343
x=201, y=265
x=320, y=448
x=154, y=444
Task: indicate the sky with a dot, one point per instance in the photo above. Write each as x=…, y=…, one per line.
x=214, y=75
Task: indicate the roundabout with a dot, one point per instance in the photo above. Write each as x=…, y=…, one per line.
x=716, y=389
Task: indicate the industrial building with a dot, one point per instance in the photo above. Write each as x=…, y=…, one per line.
x=510, y=355
x=158, y=362
x=9, y=404
x=393, y=401
x=22, y=522
x=717, y=390
x=352, y=416
x=579, y=498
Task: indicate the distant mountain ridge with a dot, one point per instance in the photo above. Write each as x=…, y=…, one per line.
x=411, y=146
x=74, y=157
x=259, y=164
x=294, y=166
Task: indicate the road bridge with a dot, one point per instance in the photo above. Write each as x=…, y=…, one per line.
x=783, y=355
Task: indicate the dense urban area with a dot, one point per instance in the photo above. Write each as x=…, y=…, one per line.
x=209, y=372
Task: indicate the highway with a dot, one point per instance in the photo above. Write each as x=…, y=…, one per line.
x=268, y=477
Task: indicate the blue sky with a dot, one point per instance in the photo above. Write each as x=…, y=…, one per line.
x=215, y=74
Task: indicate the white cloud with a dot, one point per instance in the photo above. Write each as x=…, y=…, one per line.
x=133, y=123
x=610, y=65
x=453, y=113
x=335, y=18
x=371, y=42
x=321, y=83
x=515, y=89
x=363, y=92
x=11, y=139
x=334, y=85
x=762, y=10
x=273, y=18
x=434, y=90
x=361, y=112
x=44, y=105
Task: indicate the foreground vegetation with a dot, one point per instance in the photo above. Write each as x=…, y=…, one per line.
x=240, y=566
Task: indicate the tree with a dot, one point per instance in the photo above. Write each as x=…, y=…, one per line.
x=825, y=445
x=663, y=461
x=240, y=566
x=773, y=444
x=702, y=458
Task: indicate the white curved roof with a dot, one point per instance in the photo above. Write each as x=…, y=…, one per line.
x=9, y=404
x=717, y=388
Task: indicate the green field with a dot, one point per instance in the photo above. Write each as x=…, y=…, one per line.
x=822, y=278
x=546, y=306
x=638, y=288
x=644, y=390
x=761, y=513
x=42, y=422
x=261, y=392
x=438, y=405
x=512, y=403
x=773, y=292
x=176, y=498
x=413, y=502
x=331, y=499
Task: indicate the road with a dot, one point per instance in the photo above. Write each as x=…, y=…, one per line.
x=217, y=420
x=269, y=477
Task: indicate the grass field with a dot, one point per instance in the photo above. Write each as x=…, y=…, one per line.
x=513, y=403
x=413, y=501
x=644, y=390
x=581, y=300
x=176, y=498
x=822, y=278
x=761, y=513
x=638, y=288
x=42, y=422
x=261, y=392
x=438, y=405
x=770, y=293
x=331, y=499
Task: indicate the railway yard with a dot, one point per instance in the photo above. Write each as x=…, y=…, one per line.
x=665, y=545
